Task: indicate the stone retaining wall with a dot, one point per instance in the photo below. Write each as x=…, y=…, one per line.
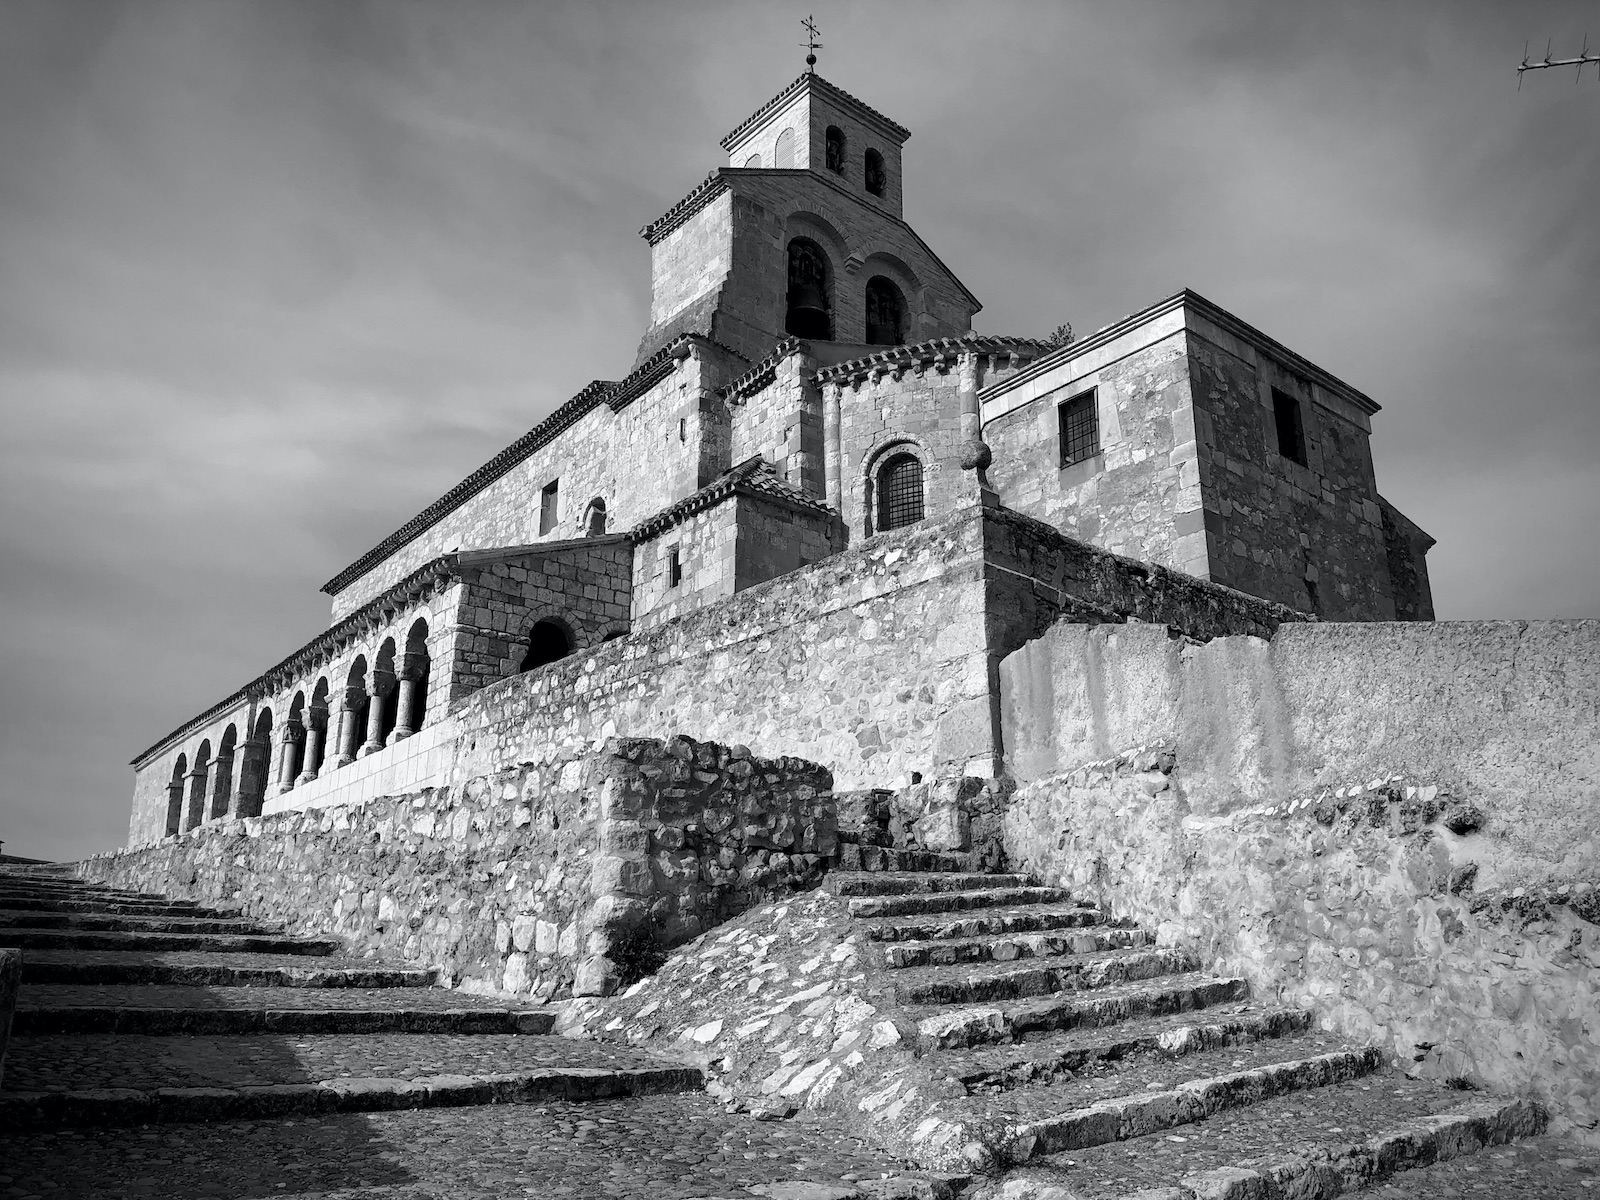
x=1366, y=902
x=569, y=870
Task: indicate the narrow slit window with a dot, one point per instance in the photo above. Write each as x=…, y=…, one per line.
x=674, y=568
x=1291, y=429
x=1080, y=429
x=547, y=506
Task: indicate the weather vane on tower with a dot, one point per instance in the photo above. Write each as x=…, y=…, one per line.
x=811, y=44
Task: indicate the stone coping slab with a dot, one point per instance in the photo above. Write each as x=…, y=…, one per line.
x=220, y=943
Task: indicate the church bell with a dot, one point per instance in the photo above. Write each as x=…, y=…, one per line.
x=808, y=311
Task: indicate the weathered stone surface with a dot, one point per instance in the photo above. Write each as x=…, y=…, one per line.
x=550, y=876
x=10, y=979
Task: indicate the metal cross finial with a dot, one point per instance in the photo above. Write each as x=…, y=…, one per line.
x=811, y=44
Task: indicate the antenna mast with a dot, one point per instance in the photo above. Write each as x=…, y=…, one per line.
x=1583, y=60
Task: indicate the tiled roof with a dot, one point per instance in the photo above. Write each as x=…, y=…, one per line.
x=616, y=395
x=755, y=476
x=932, y=351
x=763, y=373
x=837, y=92
x=702, y=194
x=425, y=580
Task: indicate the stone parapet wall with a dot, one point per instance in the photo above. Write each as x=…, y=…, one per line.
x=1385, y=903
x=561, y=871
x=1504, y=710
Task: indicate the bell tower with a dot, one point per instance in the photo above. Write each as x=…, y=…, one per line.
x=801, y=234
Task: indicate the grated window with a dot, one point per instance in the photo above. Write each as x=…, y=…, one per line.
x=900, y=492
x=1080, y=429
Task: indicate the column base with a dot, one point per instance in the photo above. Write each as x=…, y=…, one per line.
x=369, y=748
x=305, y=777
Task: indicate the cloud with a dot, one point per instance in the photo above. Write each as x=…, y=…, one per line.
x=275, y=275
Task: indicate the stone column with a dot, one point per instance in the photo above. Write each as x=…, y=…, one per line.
x=349, y=727
x=381, y=686
x=412, y=669
x=316, y=730
x=197, y=796
x=832, y=452
x=975, y=453
x=220, y=785
x=255, y=756
x=293, y=739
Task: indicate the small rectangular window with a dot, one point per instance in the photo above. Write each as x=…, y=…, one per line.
x=1291, y=431
x=1080, y=428
x=674, y=568
x=547, y=506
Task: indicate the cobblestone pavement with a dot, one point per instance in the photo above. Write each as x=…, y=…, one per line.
x=661, y=1147
x=77, y=1062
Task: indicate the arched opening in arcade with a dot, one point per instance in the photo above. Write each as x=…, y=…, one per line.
x=886, y=312
x=547, y=643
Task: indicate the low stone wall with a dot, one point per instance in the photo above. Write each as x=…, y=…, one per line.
x=1380, y=902
x=10, y=980
x=566, y=872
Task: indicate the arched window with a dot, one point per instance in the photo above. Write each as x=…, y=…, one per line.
x=752, y=162
x=383, y=678
x=875, y=177
x=783, y=159
x=810, y=310
x=594, y=518
x=835, y=150
x=899, y=491
x=547, y=642
x=886, y=312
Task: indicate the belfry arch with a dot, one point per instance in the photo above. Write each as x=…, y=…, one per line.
x=809, y=311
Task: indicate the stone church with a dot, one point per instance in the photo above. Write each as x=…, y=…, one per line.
x=813, y=515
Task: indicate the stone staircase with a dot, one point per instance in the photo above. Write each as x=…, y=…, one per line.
x=1083, y=1060
x=136, y=1008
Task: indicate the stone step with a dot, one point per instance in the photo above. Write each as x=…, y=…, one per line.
x=1037, y=918
x=1045, y=1058
x=900, y=956
x=36, y=1111
x=1323, y=1141
x=218, y=943
x=131, y=924
x=73, y=892
x=900, y=906
x=1124, y=1117
x=199, y=969
x=171, y=908
x=1140, y=1101
x=903, y=883
x=166, y=1010
x=941, y=1028
x=887, y=858
x=109, y=1079
x=995, y=981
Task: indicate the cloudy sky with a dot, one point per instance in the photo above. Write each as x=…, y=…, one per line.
x=275, y=275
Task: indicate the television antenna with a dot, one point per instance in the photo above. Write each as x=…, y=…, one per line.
x=1583, y=60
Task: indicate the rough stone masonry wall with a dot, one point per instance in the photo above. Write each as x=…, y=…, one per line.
x=1273, y=524
x=1446, y=911
x=1140, y=496
x=552, y=874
